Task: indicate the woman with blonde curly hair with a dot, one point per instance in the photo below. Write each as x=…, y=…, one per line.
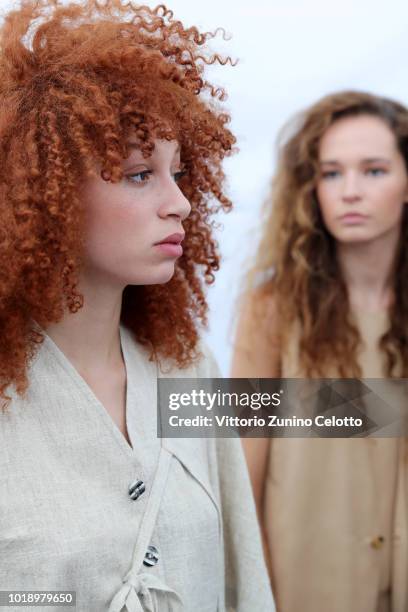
x=111, y=147
x=328, y=298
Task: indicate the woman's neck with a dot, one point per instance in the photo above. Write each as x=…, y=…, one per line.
x=367, y=269
x=90, y=337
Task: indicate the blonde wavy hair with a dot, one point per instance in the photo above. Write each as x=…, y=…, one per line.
x=299, y=253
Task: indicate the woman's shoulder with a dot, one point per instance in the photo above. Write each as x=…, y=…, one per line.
x=257, y=334
x=259, y=304
x=203, y=364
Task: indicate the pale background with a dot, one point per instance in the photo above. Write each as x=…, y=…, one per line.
x=291, y=52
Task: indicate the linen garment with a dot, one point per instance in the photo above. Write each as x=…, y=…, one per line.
x=67, y=521
x=337, y=510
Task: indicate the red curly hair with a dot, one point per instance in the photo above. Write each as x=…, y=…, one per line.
x=75, y=80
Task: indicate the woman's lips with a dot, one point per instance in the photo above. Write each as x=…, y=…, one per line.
x=170, y=248
x=171, y=245
x=353, y=218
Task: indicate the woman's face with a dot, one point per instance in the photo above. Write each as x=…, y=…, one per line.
x=363, y=182
x=134, y=228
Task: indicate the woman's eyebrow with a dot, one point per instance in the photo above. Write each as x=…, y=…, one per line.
x=366, y=160
x=375, y=160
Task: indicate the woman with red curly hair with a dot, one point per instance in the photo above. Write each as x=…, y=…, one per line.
x=111, y=146
x=333, y=303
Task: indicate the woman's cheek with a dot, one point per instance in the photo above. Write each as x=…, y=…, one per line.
x=325, y=203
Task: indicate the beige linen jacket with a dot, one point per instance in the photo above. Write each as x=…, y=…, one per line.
x=337, y=509
x=67, y=521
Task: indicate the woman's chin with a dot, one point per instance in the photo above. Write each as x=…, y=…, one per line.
x=354, y=235
x=159, y=276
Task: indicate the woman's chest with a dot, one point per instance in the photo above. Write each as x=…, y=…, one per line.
x=67, y=520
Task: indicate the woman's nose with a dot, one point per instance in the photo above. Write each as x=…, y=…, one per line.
x=174, y=203
x=351, y=191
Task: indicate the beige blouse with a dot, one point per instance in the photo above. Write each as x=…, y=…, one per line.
x=68, y=521
x=337, y=511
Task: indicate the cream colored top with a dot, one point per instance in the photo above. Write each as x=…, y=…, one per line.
x=67, y=521
x=337, y=511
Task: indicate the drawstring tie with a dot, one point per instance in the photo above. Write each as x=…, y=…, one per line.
x=139, y=594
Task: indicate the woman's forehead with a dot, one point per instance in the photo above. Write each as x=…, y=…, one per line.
x=364, y=136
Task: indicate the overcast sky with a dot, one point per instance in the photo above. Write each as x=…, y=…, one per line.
x=290, y=53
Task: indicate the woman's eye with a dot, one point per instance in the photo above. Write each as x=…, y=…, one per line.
x=179, y=175
x=330, y=174
x=375, y=171
x=140, y=177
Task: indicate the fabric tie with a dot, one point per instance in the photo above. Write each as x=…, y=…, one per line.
x=139, y=591
x=139, y=594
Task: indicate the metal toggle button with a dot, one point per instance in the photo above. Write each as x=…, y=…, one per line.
x=377, y=542
x=151, y=556
x=136, y=489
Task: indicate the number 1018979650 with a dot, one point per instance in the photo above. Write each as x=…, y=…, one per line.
x=37, y=598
